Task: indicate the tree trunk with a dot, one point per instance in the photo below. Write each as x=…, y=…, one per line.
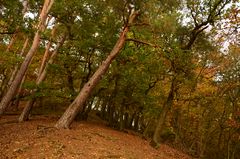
x=121, y=119
x=26, y=111
x=103, y=110
x=146, y=131
x=126, y=120
x=166, y=107
x=17, y=100
x=5, y=85
x=46, y=53
x=17, y=65
x=87, y=110
x=14, y=72
x=136, y=122
x=4, y=82
x=13, y=39
x=17, y=81
x=131, y=120
x=69, y=115
x=70, y=82
x=112, y=115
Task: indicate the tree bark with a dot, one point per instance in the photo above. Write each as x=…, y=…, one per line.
x=103, y=110
x=17, y=100
x=121, y=119
x=131, y=120
x=136, y=122
x=126, y=120
x=5, y=85
x=72, y=111
x=46, y=53
x=111, y=114
x=4, y=82
x=17, y=81
x=14, y=72
x=13, y=39
x=161, y=120
x=17, y=65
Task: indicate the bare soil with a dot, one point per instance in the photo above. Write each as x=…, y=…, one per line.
x=38, y=139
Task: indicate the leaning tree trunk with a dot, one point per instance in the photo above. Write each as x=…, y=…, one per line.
x=46, y=53
x=14, y=72
x=4, y=84
x=13, y=39
x=41, y=77
x=166, y=107
x=17, y=65
x=17, y=81
x=72, y=111
x=17, y=100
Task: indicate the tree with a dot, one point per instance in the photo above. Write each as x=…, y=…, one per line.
x=69, y=115
x=201, y=18
x=16, y=83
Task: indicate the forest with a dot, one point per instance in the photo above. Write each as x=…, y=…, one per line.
x=168, y=70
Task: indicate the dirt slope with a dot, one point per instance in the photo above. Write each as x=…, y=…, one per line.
x=37, y=139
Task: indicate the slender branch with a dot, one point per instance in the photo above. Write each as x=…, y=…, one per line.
x=143, y=42
x=7, y=32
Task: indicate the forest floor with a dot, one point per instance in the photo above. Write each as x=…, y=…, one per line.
x=38, y=139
